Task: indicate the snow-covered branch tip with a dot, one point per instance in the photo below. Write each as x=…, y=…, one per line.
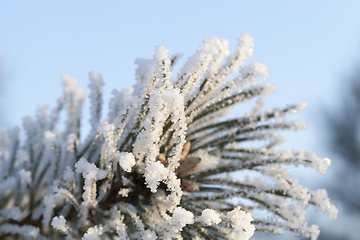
x=165, y=163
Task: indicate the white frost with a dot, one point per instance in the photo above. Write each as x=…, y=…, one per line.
x=181, y=217
x=210, y=216
x=154, y=173
x=91, y=174
x=59, y=223
x=126, y=160
x=241, y=223
x=94, y=233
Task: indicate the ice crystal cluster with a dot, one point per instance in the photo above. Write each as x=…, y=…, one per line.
x=166, y=163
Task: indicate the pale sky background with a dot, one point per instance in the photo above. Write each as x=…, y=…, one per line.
x=310, y=47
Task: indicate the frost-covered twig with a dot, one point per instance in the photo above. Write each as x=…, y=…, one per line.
x=162, y=164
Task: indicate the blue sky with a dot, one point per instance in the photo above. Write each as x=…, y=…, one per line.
x=310, y=47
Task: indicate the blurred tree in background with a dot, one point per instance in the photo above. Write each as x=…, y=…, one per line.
x=343, y=127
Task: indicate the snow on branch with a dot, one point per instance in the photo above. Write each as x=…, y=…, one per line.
x=166, y=163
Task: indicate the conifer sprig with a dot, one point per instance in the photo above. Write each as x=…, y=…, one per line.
x=164, y=164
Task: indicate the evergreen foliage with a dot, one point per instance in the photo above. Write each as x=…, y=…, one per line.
x=165, y=163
